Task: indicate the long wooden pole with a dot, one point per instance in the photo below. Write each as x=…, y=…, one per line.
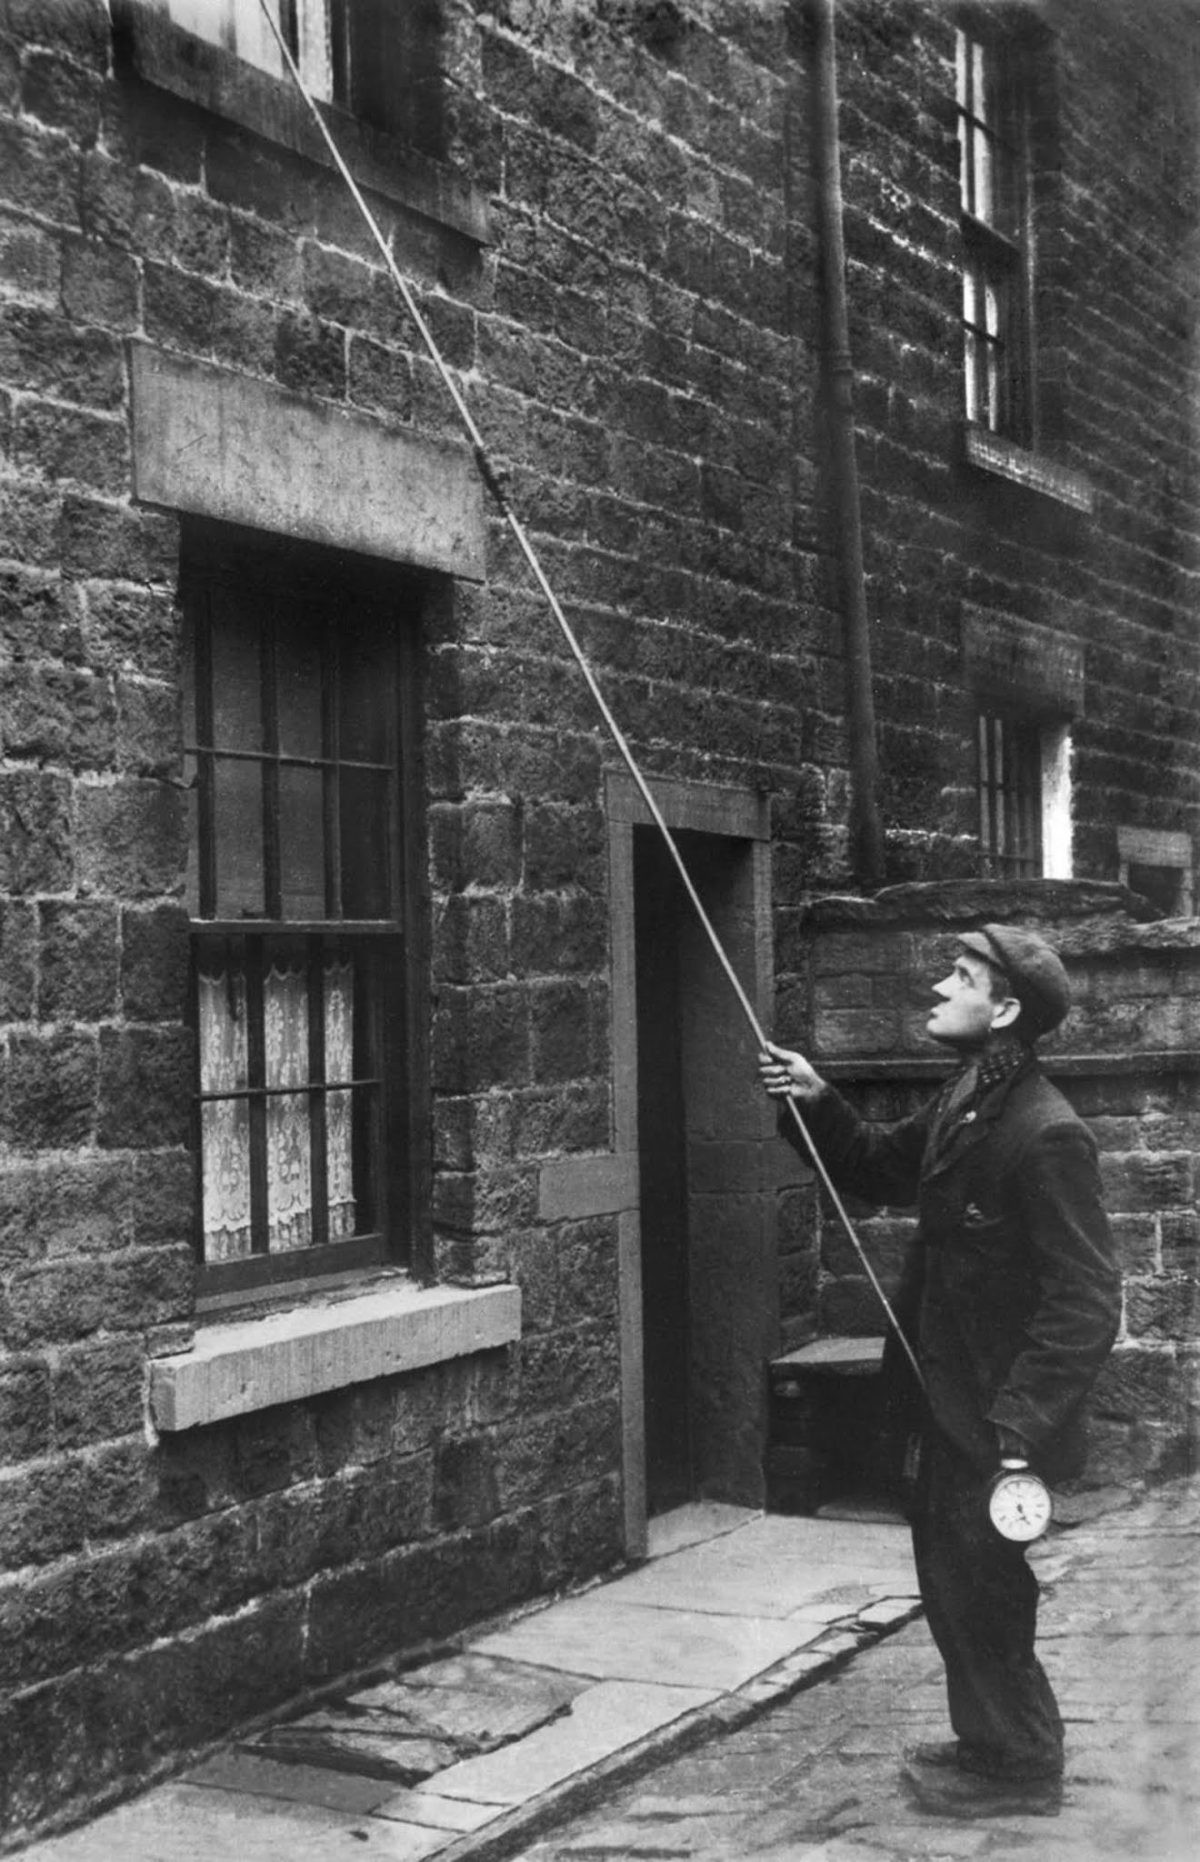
x=493, y=484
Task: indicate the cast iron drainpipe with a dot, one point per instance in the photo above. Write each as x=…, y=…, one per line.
x=866, y=834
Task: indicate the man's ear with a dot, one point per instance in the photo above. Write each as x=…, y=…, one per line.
x=1006, y=1013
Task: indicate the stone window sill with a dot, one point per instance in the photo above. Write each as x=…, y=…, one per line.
x=246, y=1364
x=163, y=55
x=988, y=452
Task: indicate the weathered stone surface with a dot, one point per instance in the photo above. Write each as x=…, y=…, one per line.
x=375, y=1745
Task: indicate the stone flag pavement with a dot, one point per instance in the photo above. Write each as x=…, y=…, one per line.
x=815, y=1779
x=740, y=1695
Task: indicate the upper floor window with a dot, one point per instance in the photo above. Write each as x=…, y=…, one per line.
x=374, y=58
x=993, y=97
x=299, y=763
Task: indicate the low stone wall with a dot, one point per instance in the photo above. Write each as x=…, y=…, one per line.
x=1129, y=1060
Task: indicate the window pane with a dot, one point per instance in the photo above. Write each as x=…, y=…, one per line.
x=237, y=804
x=301, y=842
x=366, y=845
x=237, y=683
x=289, y=1147
x=299, y=687
x=368, y=699
x=983, y=178
x=339, y=1107
x=224, y=1123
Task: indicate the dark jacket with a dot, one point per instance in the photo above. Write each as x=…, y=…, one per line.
x=1010, y=1292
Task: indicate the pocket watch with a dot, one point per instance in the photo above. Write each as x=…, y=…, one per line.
x=1019, y=1503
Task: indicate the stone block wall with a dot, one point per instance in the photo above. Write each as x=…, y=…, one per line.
x=1128, y=1058
x=600, y=247
x=951, y=548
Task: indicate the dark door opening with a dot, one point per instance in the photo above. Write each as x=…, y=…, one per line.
x=710, y=1310
x=659, y=899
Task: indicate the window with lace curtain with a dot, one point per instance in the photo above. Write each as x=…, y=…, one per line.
x=298, y=695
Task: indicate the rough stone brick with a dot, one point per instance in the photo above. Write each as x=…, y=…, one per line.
x=310, y=356
x=154, y=963
x=379, y=379
x=41, y=1512
x=475, y=844
x=563, y=847
x=58, y=443
x=472, y=943
x=39, y=172
x=30, y=260
x=78, y=29
x=149, y=727
x=39, y=617
x=1165, y=1308
x=587, y=1263
x=59, y=714
x=465, y=1487
x=25, y=1411
x=131, y=839
x=554, y=933
x=1136, y=1238
x=18, y=960
x=41, y=352
x=100, y=286
x=264, y=261
x=165, y=1198
x=567, y=1367
x=29, y=521
x=1138, y=1180
x=97, y=1393
x=117, y=542
x=144, y=1087
x=1181, y=1240
x=134, y=628
x=839, y=1032
x=570, y=1117
x=118, y=1498
x=67, y=1300
x=51, y=1091
x=562, y=1031
x=480, y=1038
x=66, y=1206
x=78, y=979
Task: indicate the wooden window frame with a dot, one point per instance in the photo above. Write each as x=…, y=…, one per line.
x=996, y=202
x=389, y=952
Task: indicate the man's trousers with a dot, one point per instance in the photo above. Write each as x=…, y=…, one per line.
x=980, y=1602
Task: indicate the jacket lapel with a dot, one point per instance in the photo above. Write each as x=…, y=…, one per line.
x=972, y=1126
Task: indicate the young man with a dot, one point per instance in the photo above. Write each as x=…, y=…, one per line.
x=1011, y=1299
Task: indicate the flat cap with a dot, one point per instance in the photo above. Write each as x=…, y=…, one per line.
x=1034, y=971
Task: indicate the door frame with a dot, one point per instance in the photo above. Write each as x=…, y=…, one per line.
x=709, y=808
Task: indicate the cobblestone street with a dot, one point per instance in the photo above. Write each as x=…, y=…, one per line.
x=817, y=1777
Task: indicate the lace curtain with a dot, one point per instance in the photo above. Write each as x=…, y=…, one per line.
x=225, y=1123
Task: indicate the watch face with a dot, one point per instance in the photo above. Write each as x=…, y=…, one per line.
x=1019, y=1506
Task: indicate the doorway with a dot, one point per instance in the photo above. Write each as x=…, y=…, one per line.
x=707, y=1317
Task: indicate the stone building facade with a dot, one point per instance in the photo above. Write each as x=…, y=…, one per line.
x=387, y=1220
